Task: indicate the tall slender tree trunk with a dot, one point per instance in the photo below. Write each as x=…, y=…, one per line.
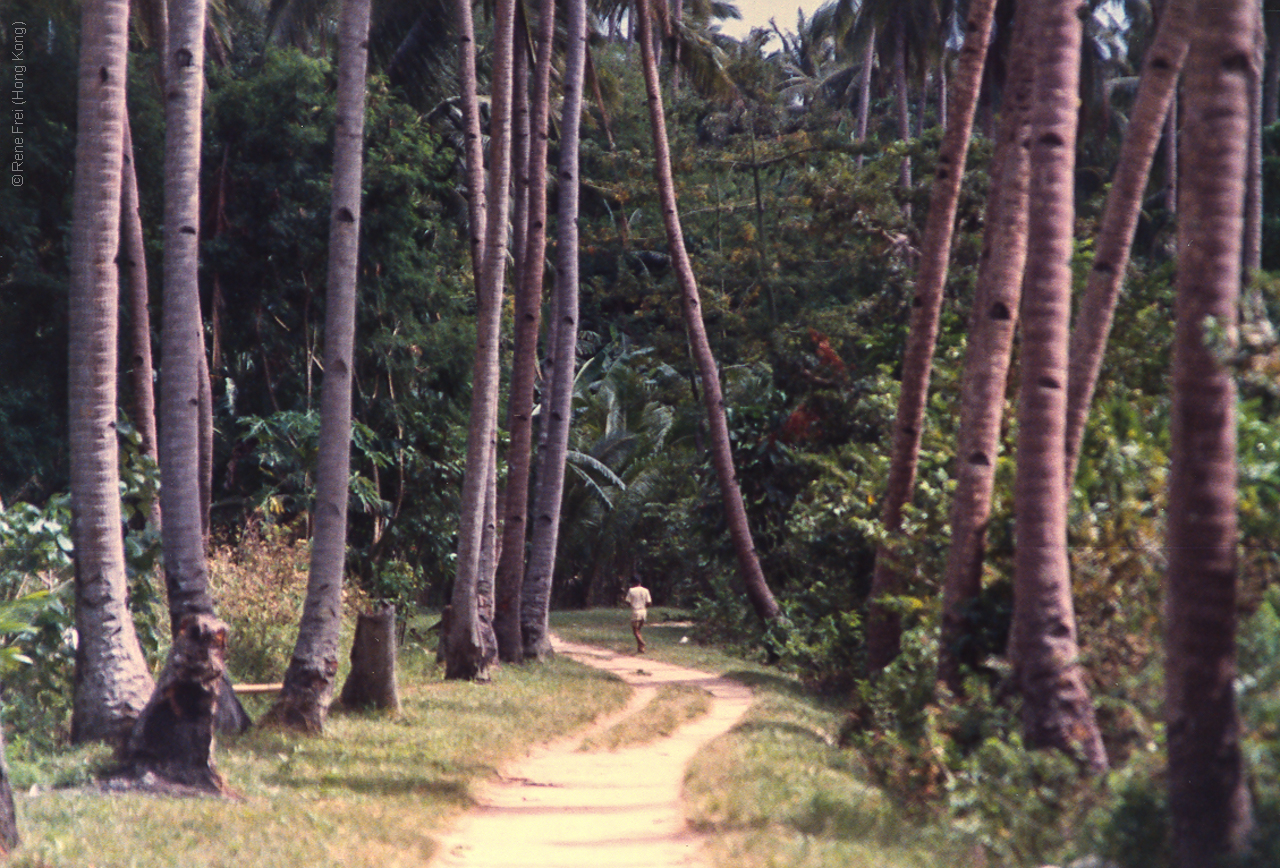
x=1208, y=793
x=1271, y=67
x=466, y=656
x=186, y=572
x=111, y=678
x=476, y=200
x=902, y=99
x=1252, y=253
x=605, y=121
x=1171, y=127
x=864, y=88
x=133, y=263
x=992, y=326
x=528, y=321
x=536, y=609
x=883, y=627
x=181, y=339
x=1160, y=74
x=1057, y=709
x=755, y=585
x=308, y=687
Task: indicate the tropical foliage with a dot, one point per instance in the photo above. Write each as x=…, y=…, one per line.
x=805, y=246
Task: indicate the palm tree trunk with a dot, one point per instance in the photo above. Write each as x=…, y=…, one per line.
x=536, y=608
x=992, y=326
x=133, y=261
x=1208, y=792
x=524, y=371
x=186, y=572
x=303, y=702
x=1271, y=67
x=111, y=678
x=903, y=104
x=466, y=656
x=476, y=202
x=181, y=341
x=883, y=627
x=1252, y=253
x=1057, y=709
x=605, y=122
x=864, y=88
x=513, y=502
x=761, y=598
x=1160, y=74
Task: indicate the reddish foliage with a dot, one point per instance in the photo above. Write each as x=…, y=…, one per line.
x=826, y=355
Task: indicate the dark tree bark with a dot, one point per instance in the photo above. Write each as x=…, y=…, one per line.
x=535, y=607
x=467, y=656
x=992, y=327
x=371, y=683
x=1208, y=793
x=883, y=626
x=528, y=321
x=133, y=264
x=173, y=738
x=1156, y=90
x=1057, y=710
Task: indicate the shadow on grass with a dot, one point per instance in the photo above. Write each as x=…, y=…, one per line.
x=776, y=683
x=777, y=728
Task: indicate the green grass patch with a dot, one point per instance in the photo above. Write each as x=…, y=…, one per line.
x=672, y=706
x=669, y=635
x=778, y=791
x=370, y=792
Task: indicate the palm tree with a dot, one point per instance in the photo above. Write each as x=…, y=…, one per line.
x=1208, y=791
x=536, y=604
x=308, y=682
x=474, y=141
x=182, y=342
x=466, y=656
x=992, y=326
x=181, y=339
x=111, y=678
x=1161, y=69
x=1057, y=709
x=133, y=263
x=883, y=628
x=525, y=353
x=757, y=589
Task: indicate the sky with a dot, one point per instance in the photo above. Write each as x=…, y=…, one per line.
x=756, y=13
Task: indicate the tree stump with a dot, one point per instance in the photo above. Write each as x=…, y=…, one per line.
x=372, y=680
x=9, y=839
x=173, y=738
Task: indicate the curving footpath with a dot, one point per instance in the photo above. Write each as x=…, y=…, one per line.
x=564, y=808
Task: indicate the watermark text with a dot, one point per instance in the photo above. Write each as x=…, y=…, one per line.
x=16, y=60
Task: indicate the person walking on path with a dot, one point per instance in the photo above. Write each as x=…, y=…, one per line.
x=639, y=599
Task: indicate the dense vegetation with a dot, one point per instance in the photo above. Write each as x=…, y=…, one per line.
x=805, y=251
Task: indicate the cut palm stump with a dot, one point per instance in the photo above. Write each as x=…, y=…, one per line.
x=172, y=741
x=372, y=680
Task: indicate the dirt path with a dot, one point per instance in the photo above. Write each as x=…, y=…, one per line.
x=562, y=808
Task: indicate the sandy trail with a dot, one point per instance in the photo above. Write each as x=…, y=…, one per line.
x=562, y=808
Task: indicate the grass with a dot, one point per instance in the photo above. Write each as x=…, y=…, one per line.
x=375, y=789
x=777, y=790
x=371, y=792
x=673, y=705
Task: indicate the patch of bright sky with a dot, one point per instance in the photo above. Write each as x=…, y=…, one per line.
x=756, y=13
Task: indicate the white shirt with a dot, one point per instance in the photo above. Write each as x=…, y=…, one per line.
x=639, y=600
